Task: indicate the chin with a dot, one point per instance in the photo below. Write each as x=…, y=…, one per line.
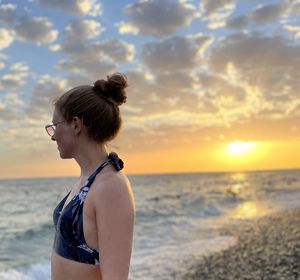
x=64, y=155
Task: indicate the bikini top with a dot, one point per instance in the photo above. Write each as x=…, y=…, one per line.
x=69, y=241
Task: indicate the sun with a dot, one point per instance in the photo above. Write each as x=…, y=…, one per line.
x=240, y=148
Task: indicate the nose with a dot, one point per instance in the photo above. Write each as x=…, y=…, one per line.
x=53, y=138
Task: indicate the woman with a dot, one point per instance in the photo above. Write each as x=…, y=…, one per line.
x=94, y=222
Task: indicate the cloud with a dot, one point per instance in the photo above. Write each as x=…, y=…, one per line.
x=95, y=69
x=269, y=78
x=265, y=14
x=117, y=50
x=239, y=22
x=13, y=98
x=6, y=38
x=77, y=7
x=37, y=29
x=81, y=30
x=89, y=58
x=94, y=58
x=97, y=59
x=175, y=53
x=140, y=89
x=175, y=80
x=125, y=28
x=217, y=12
x=11, y=84
x=154, y=18
x=6, y=113
x=268, y=13
x=214, y=85
x=294, y=30
x=8, y=14
x=43, y=93
x=166, y=92
x=76, y=36
x=15, y=78
x=27, y=28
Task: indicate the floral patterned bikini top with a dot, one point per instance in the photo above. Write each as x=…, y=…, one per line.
x=69, y=241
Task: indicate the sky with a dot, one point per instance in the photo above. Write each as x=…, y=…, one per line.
x=214, y=84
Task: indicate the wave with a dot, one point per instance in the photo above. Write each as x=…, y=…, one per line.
x=32, y=233
x=34, y=272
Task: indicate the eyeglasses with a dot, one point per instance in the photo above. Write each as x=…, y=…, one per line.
x=50, y=128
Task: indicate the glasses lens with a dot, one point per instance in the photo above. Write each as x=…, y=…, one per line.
x=50, y=130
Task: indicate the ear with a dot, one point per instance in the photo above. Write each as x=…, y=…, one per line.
x=77, y=125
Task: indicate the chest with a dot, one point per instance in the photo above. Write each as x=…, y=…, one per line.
x=76, y=220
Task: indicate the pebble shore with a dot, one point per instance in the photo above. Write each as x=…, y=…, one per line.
x=267, y=249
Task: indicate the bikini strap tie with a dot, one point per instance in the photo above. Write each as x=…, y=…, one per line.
x=115, y=161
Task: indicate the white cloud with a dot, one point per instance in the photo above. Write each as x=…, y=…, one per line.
x=217, y=12
x=43, y=94
x=238, y=22
x=117, y=50
x=7, y=114
x=19, y=67
x=7, y=14
x=83, y=53
x=175, y=80
x=37, y=29
x=175, y=53
x=87, y=58
x=6, y=38
x=55, y=48
x=265, y=14
x=81, y=30
x=125, y=28
x=170, y=91
x=77, y=7
x=15, y=78
x=152, y=17
x=269, y=78
x=293, y=8
x=95, y=69
x=13, y=98
x=97, y=59
x=268, y=13
x=27, y=28
x=294, y=30
x=142, y=96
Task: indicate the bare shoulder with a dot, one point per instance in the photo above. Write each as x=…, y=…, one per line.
x=113, y=188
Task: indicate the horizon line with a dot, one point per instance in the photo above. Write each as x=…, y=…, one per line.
x=165, y=173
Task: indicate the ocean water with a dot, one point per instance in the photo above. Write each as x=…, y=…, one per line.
x=177, y=221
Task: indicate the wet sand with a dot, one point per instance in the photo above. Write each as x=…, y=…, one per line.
x=267, y=249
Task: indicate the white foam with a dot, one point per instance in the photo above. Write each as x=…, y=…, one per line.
x=35, y=272
x=170, y=262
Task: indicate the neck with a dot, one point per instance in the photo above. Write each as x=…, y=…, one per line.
x=90, y=157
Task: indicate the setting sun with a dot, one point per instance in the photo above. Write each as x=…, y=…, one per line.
x=240, y=155
x=240, y=148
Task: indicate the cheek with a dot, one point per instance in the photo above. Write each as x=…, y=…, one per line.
x=66, y=146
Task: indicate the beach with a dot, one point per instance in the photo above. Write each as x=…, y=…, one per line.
x=268, y=248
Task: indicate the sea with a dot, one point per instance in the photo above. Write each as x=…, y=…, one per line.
x=178, y=218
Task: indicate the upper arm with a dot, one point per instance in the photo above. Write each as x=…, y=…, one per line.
x=115, y=215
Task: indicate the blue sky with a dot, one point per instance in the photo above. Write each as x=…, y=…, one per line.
x=201, y=72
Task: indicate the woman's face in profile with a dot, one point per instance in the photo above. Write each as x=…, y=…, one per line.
x=63, y=135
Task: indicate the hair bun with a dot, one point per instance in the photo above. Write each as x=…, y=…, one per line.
x=112, y=89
